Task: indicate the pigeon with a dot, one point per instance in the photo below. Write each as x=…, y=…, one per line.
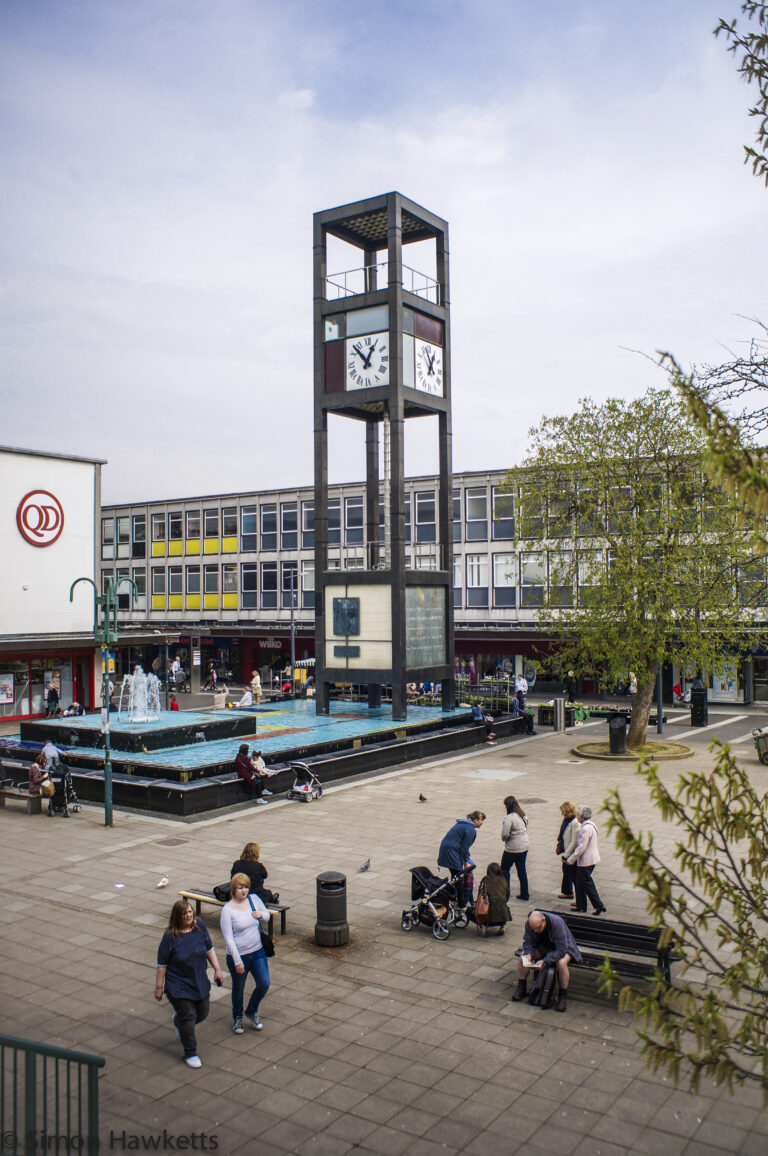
x=366, y=865
x=163, y=883
x=423, y=798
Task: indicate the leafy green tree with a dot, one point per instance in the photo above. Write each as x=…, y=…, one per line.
x=633, y=556
x=750, y=44
x=711, y=901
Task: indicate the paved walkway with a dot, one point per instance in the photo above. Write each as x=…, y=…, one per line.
x=395, y=1044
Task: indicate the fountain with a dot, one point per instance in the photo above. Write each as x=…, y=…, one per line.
x=143, y=696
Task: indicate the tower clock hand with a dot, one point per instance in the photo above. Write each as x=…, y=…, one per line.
x=370, y=354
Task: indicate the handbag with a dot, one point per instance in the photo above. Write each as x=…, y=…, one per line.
x=47, y=789
x=482, y=907
x=559, y=848
x=266, y=939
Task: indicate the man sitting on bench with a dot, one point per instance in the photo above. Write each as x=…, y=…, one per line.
x=547, y=940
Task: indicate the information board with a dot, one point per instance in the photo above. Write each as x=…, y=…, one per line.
x=424, y=626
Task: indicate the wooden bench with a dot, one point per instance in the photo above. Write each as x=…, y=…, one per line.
x=200, y=895
x=633, y=947
x=33, y=803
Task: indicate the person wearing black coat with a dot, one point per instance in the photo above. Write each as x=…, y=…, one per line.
x=250, y=864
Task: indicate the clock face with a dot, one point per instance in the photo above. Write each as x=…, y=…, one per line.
x=367, y=361
x=429, y=368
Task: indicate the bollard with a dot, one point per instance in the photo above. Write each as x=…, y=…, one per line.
x=331, y=929
x=559, y=715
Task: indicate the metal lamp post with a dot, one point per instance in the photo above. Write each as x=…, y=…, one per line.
x=105, y=633
x=293, y=632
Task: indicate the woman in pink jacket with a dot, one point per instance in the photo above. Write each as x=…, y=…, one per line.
x=586, y=857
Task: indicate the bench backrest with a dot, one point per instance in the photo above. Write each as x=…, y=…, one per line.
x=612, y=935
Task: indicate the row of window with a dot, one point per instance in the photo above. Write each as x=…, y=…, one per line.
x=488, y=582
x=180, y=532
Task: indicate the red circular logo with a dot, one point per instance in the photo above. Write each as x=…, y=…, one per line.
x=40, y=518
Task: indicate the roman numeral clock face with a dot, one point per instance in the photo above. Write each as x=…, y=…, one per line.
x=367, y=361
x=429, y=368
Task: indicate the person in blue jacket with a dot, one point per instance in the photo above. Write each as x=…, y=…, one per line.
x=454, y=849
x=547, y=939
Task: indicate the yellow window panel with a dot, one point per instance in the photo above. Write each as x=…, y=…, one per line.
x=211, y=546
x=230, y=602
x=229, y=545
x=158, y=549
x=193, y=602
x=174, y=549
x=211, y=601
x=175, y=602
x=158, y=602
x=192, y=545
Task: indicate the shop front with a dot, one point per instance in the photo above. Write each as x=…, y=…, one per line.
x=26, y=679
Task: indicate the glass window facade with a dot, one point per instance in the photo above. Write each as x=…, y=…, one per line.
x=476, y=507
x=289, y=527
x=249, y=585
x=269, y=526
x=248, y=528
x=210, y=523
x=353, y=520
x=426, y=527
x=477, y=581
x=269, y=585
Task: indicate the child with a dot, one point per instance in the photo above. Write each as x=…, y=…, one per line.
x=495, y=889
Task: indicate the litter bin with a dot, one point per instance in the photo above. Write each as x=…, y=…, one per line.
x=331, y=929
x=617, y=734
x=699, y=707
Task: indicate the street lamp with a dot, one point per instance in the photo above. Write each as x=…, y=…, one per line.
x=105, y=633
x=293, y=631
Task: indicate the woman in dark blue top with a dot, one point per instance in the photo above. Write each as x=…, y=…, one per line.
x=454, y=849
x=182, y=962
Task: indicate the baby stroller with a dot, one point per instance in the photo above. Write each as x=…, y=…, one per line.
x=64, y=798
x=434, y=903
x=306, y=785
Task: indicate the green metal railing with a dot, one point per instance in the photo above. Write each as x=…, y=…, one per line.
x=495, y=694
x=49, y=1099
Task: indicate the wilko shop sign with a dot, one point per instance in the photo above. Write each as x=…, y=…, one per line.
x=40, y=518
x=270, y=644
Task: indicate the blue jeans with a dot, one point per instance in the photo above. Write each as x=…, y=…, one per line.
x=518, y=858
x=256, y=965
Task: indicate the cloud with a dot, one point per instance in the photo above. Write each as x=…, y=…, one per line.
x=299, y=99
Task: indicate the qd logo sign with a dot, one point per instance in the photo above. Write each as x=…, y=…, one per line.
x=40, y=518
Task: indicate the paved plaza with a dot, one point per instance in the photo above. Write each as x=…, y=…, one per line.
x=395, y=1044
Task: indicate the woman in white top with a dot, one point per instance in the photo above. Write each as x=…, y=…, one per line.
x=242, y=934
x=514, y=835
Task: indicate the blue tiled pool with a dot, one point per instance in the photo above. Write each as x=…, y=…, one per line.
x=279, y=727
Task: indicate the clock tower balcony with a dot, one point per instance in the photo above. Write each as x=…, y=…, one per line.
x=371, y=278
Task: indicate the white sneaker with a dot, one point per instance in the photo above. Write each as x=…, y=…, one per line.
x=266, y=792
x=261, y=802
x=193, y=1061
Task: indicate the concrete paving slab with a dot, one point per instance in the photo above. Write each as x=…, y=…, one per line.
x=396, y=1043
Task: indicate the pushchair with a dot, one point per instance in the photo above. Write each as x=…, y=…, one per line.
x=64, y=798
x=434, y=902
x=306, y=785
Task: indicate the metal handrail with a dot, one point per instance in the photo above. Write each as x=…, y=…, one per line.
x=64, y=1085
x=365, y=279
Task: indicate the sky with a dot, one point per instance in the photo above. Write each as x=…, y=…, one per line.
x=160, y=162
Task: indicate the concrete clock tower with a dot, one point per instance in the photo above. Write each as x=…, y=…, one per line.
x=383, y=612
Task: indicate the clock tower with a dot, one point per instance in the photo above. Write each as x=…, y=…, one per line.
x=383, y=607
